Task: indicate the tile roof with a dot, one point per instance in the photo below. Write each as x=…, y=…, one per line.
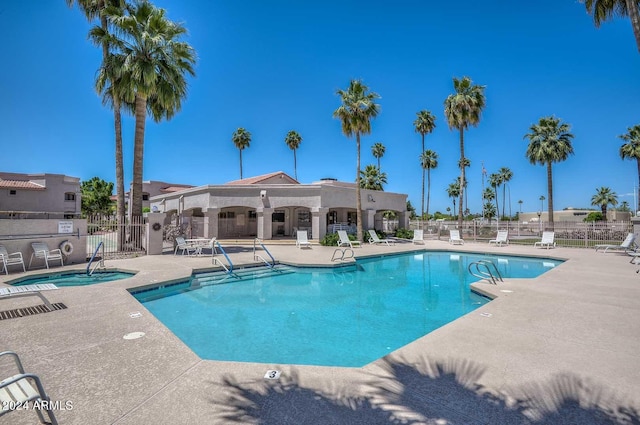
x=20, y=184
x=259, y=179
x=175, y=188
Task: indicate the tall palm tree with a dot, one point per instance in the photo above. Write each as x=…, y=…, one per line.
x=372, y=178
x=603, y=198
x=241, y=138
x=495, y=180
x=429, y=161
x=466, y=163
x=462, y=110
x=549, y=142
x=356, y=112
x=604, y=10
x=424, y=124
x=156, y=63
x=488, y=195
x=631, y=150
x=453, y=191
x=505, y=176
x=542, y=199
x=377, y=150
x=293, y=140
x=92, y=9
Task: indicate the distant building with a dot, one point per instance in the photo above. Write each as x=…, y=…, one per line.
x=153, y=188
x=571, y=214
x=39, y=196
x=276, y=205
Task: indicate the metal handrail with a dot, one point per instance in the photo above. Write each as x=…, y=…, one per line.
x=255, y=256
x=487, y=273
x=228, y=270
x=343, y=252
x=101, y=263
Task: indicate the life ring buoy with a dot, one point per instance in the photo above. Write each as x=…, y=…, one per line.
x=66, y=248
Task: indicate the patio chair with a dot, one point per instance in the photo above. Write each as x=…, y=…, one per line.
x=374, y=239
x=7, y=259
x=418, y=236
x=454, y=237
x=627, y=245
x=501, y=239
x=28, y=291
x=18, y=390
x=41, y=250
x=302, y=239
x=181, y=244
x=345, y=241
x=546, y=241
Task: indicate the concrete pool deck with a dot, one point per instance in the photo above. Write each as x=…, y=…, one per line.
x=561, y=348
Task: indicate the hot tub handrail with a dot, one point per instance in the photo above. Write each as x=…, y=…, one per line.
x=101, y=263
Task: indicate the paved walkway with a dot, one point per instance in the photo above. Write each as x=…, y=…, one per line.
x=562, y=348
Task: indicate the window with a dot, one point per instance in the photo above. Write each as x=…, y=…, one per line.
x=277, y=217
x=227, y=214
x=69, y=196
x=304, y=217
x=145, y=196
x=12, y=192
x=252, y=215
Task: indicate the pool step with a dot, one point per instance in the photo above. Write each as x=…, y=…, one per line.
x=212, y=278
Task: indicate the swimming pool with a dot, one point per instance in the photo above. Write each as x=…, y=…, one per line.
x=347, y=316
x=76, y=278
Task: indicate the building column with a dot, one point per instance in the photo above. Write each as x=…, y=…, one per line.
x=154, y=240
x=319, y=222
x=369, y=220
x=403, y=219
x=264, y=222
x=211, y=222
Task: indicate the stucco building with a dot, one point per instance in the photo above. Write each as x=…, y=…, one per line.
x=276, y=205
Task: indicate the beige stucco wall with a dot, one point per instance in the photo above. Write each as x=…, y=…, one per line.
x=51, y=199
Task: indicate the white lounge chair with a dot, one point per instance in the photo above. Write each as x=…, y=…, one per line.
x=546, y=241
x=12, y=259
x=374, y=239
x=41, y=250
x=501, y=239
x=627, y=245
x=18, y=390
x=418, y=236
x=302, y=239
x=345, y=241
x=28, y=291
x=185, y=247
x=454, y=237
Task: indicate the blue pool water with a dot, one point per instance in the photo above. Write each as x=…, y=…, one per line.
x=348, y=316
x=76, y=278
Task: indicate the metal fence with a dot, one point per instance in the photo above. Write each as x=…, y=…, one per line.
x=567, y=234
x=121, y=236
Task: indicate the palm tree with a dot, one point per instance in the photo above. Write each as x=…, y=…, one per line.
x=241, y=138
x=604, y=10
x=377, y=151
x=489, y=209
x=466, y=162
x=549, y=142
x=505, y=176
x=424, y=124
x=92, y=9
x=488, y=195
x=631, y=150
x=453, y=191
x=156, y=63
x=293, y=140
x=372, y=178
x=603, y=198
x=429, y=161
x=495, y=180
x=463, y=109
x=542, y=199
x=520, y=204
x=357, y=109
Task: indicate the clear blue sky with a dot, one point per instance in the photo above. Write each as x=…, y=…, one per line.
x=275, y=66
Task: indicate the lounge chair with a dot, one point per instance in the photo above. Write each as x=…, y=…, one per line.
x=345, y=241
x=374, y=239
x=454, y=237
x=28, y=291
x=418, y=236
x=41, y=250
x=7, y=259
x=302, y=239
x=501, y=239
x=185, y=247
x=18, y=390
x=546, y=241
x=627, y=245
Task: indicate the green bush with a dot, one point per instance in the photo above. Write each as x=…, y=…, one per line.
x=330, y=239
x=594, y=216
x=404, y=233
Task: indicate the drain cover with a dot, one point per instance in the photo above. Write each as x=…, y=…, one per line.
x=134, y=335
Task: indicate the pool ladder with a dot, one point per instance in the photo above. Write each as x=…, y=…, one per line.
x=343, y=254
x=93, y=257
x=215, y=261
x=484, y=269
x=257, y=257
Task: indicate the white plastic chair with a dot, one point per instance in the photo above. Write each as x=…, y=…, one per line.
x=345, y=241
x=547, y=240
x=374, y=239
x=41, y=250
x=501, y=239
x=302, y=239
x=181, y=244
x=454, y=237
x=418, y=236
x=7, y=259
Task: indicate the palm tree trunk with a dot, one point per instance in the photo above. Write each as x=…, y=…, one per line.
x=428, y=189
x=138, y=154
x=638, y=163
x=504, y=197
x=550, y=198
x=358, y=200
x=461, y=178
x=422, y=212
x=634, y=15
x=240, y=163
x=117, y=118
x=295, y=165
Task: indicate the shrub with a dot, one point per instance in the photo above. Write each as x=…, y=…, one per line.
x=330, y=239
x=404, y=233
